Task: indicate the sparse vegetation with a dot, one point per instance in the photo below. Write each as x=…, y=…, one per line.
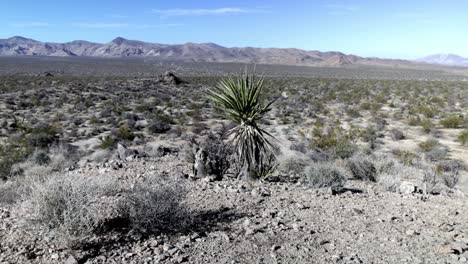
x=357, y=133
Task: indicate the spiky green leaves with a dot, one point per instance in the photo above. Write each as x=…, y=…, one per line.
x=239, y=99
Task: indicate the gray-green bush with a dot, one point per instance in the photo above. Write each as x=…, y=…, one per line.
x=325, y=174
x=74, y=207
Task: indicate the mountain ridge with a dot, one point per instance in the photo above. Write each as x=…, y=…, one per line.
x=195, y=52
x=445, y=59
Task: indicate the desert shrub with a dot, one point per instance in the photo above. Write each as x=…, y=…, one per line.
x=9, y=192
x=268, y=166
x=68, y=204
x=437, y=153
x=362, y=168
x=370, y=136
x=428, y=145
x=451, y=178
x=453, y=121
x=433, y=150
x=406, y=157
x=299, y=147
x=430, y=179
x=107, y=142
x=391, y=178
x=336, y=144
x=365, y=106
x=463, y=137
x=427, y=125
x=40, y=157
x=74, y=207
x=449, y=171
x=321, y=175
x=353, y=112
x=159, y=122
x=397, y=134
x=380, y=123
x=215, y=156
x=158, y=126
x=11, y=154
x=383, y=163
x=63, y=156
x=125, y=133
x=414, y=121
x=343, y=150
x=389, y=181
x=450, y=165
x=427, y=111
x=292, y=166
x=42, y=136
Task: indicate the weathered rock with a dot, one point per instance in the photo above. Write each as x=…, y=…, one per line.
x=71, y=260
x=406, y=188
x=125, y=153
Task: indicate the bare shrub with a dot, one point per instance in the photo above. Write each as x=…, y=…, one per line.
x=362, y=168
x=325, y=175
x=292, y=166
x=10, y=192
x=451, y=179
x=74, y=207
x=390, y=181
x=450, y=172
x=430, y=179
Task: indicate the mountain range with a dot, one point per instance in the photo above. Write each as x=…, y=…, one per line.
x=445, y=59
x=204, y=52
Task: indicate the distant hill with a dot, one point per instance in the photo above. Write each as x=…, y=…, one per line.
x=445, y=59
x=204, y=52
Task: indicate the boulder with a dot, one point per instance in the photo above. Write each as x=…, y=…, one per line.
x=125, y=153
x=406, y=188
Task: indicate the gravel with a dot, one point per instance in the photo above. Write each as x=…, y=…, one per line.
x=263, y=222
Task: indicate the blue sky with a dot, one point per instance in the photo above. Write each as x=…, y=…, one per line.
x=393, y=29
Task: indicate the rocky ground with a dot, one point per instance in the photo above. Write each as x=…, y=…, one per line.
x=239, y=221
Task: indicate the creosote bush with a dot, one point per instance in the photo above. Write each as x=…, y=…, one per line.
x=463, y=137
x=107, y=142
x=453, y=121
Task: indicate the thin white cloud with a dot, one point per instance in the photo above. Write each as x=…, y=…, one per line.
x=342, y=8
x=200, y=12
x=101, y=25
x=30, y=24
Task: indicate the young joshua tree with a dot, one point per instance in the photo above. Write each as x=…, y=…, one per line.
x=239, y=99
